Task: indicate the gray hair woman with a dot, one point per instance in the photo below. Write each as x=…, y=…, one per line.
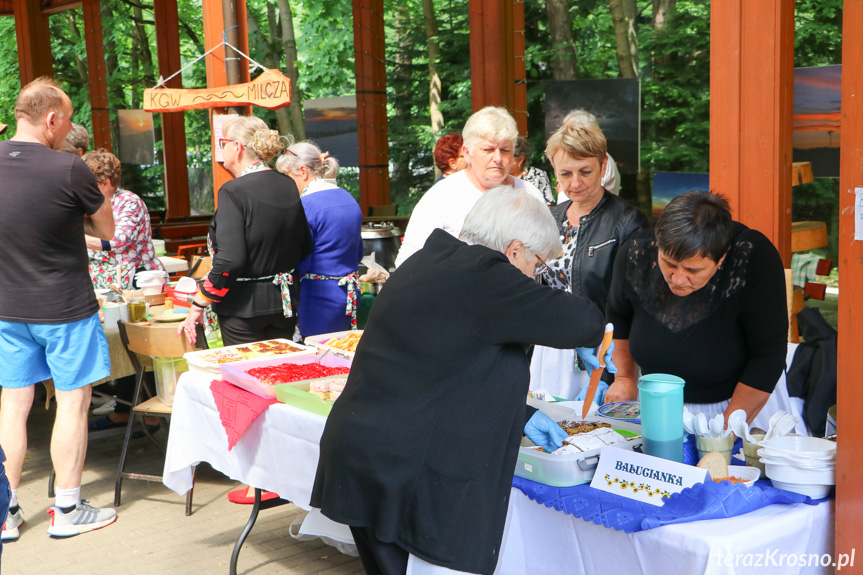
x=434, y=503
x=701, y=297
x=257, y=238
x=592, y=224
x=329, y=274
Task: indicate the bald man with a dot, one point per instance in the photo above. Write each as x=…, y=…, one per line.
x=49, y=320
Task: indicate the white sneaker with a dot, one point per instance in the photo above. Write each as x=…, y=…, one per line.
x=106, y=408
x=11, y=525
x=100, y=399
x=82, y=519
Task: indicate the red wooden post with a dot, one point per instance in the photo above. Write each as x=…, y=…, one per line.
x=34, y=40
x=101, y=134
x=751, y=83
x=173, y=123
x=849, y=463
x=216, y=74
x=371, y=82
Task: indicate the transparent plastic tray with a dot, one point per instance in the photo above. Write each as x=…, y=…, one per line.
x=236, y=373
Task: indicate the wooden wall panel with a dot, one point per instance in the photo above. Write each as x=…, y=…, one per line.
x=497, y=68
x=849, y=465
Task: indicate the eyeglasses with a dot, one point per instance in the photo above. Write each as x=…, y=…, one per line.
x=541, y=268
x=224, y=141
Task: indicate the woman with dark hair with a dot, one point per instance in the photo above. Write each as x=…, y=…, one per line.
x=448, y=156
x=535, y=176
x=701, y=297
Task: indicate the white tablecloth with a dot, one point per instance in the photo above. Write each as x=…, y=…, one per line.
x=279, y=452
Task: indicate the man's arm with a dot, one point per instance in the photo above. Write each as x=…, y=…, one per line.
x=100, y=224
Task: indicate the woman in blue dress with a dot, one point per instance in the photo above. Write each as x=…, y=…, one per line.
x=329, y=288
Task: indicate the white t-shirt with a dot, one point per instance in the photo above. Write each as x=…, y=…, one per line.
x=445, y=206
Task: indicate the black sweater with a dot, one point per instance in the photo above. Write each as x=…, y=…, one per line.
x=421, y=446
x=732, y=330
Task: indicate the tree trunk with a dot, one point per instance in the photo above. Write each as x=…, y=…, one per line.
x=115, y=90
x=270, y=58
x=290, y=44
x=434, y=55
x=80, y=64
x=563, y=66
x=623, y=13
x=402, y=82
x=661, y=11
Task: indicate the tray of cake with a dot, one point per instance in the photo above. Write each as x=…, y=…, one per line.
x=343, y=343
x=210, y=361
x=575, y=462
x=320, y=377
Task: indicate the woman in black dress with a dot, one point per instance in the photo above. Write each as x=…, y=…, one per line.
x=257, y=237
x=701, y=297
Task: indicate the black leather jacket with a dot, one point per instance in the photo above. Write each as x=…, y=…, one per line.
x=600, y=234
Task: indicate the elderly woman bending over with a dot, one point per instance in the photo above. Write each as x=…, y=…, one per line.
x=330, y=287
x=131, y=248
x=387, y=466
x=257, y=238
x=701, y=297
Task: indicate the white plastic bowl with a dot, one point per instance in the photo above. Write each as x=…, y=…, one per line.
x=750, y=474
x=813, y=491
x=802, y=446
x=791, y=474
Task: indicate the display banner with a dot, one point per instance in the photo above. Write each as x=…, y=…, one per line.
x=270, y=90
x=643, y=477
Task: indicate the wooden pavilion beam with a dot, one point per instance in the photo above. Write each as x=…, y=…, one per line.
x=173, y=123
x=849, y=462
x=371, y=87
x=34, y=40
x=56, y=6
x=6, y=8
x=214, y=28
x=100, y=115
x=497, y=67
x=751, y=100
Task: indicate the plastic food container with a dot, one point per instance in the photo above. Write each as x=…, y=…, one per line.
x=750, y=474
x=564, y=470
x=236, y=374
x=318, y=342
x=167, y=371
x=199, y=362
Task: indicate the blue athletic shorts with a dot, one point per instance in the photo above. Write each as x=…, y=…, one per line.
x=73, y=354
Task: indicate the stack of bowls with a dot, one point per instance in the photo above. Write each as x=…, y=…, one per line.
x=801, y=464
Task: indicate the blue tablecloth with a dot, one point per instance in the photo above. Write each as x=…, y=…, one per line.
x=702, y=501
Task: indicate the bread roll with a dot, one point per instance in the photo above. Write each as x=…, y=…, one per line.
x=715, y=464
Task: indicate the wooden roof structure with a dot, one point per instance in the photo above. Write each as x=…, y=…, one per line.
x=751, y=88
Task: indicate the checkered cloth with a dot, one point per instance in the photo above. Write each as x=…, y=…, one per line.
x=803, y=268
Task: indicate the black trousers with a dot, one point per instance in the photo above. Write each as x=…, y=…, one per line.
x=378, y=557
x=237, y=330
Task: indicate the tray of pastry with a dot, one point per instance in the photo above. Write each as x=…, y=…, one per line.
x=343, y=343
x=575, y=462
x=209, y=361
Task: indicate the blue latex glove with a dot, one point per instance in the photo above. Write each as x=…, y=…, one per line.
x=544, y=432
x=601, y=388
x=591, y=362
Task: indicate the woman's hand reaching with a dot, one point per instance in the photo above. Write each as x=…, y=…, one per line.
x=195, y=316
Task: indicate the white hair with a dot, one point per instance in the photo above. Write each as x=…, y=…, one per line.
x=581, y=118
x=307, y=154
x=490, y=123
x=504, y=214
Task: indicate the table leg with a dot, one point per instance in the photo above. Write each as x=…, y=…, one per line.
x=232, y=570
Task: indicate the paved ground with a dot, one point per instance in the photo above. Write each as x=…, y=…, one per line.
x=152, y=536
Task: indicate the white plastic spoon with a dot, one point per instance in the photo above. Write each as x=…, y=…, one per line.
x=688, y=421
x=716, y=424
x=701, y=425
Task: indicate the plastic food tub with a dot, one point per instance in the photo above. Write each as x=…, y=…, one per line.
x=318, y=342
x=198, y=360
x=236, y=374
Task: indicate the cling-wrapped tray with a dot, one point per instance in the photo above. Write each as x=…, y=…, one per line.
x=209, y=361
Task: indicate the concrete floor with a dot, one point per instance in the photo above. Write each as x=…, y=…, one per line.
x=152, y=536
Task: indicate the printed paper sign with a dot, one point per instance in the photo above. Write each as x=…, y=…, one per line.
x=858, y=214
x=642, y=477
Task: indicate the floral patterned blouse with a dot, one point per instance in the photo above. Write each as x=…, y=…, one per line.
x=131, y=246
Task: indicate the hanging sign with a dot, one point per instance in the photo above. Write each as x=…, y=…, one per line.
x=270, y=90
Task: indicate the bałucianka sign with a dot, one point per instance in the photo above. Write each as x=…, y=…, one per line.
x=642, y=477
x=270, y=90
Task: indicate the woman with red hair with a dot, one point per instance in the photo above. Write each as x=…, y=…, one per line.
x=447, y=154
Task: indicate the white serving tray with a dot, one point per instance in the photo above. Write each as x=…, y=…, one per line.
x=318, y=342
x=197, y=363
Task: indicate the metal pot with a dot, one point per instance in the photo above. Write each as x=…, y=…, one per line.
x=383, y=239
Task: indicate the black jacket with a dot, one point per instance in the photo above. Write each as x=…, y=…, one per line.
x=813, y=371
x=421, y=446
x=600, y=235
